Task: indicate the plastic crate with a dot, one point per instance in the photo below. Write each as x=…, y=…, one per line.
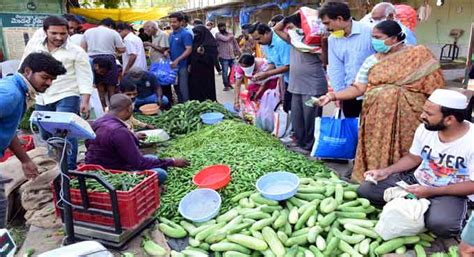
x=134, y=206
x=26, y=142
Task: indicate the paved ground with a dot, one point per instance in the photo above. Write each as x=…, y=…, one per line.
x=44, y=240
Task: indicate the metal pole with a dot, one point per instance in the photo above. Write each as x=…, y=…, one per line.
x=67, y=208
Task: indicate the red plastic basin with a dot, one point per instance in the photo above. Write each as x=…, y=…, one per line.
x=214, y=177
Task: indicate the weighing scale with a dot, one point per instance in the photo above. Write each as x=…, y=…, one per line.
x=69, y=125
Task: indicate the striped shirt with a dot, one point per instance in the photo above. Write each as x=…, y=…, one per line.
x=362, y=77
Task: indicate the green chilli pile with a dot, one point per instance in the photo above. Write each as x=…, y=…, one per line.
x=184, y=118
x=250, y=153
x=324, y=218
x=120, y=181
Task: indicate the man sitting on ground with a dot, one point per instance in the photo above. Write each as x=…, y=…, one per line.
x=115, y=147
x=442, y=155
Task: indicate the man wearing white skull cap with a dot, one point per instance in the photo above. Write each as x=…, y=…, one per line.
x=439, y=166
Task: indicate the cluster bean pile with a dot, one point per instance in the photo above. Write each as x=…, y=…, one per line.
x=324, y=218
x=248, y=151
x=120, y=181
x=184, y=118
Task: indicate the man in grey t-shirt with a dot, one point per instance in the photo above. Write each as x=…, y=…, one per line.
x=307, y=79
x=104, y=42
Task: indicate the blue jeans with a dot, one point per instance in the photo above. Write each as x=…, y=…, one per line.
x=150, y=100
x=68, y=104
x=183, y=89
x=162, y=174
x=227, y=65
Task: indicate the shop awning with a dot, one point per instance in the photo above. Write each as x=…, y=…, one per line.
x=124, y=14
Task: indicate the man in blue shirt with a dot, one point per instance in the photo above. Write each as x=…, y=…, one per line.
x=386, y=11
x=17, y=93
x=181, y=42
x=349, y=45
x=277, y=52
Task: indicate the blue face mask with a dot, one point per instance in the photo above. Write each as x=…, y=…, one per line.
x=380, y=46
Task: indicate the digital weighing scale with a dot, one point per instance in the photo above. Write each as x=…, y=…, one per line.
x=69, y=125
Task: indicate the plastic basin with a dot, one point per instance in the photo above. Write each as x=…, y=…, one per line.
x=230, y=108
x=278, y=185
x=200, y=205
x=212, y=118
x=214, y=177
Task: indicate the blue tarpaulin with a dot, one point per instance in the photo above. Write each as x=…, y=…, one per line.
x=247, y=11
x=224, y=12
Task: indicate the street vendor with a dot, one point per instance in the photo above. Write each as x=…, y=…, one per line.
x=442, y=157
x=17, y=94
x=129, y=88
x=115, y=147
x=248, y=67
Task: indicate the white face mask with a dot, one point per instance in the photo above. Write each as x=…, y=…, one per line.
x=248, y=71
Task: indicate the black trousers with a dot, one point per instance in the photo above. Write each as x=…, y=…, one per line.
x=445, y=217
x=168, y=92
x=351, y=108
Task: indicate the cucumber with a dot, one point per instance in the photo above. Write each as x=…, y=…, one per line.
x=246, y=203
x=248, y=241
x=420, y=251
x=311, y=190
x=364, y=247
x=228, y=216
x=316, y=251
x=208, y=231
x=235, y=254
x=239, y=228
x=372, y=248
x=361, y=230
x=311, y=221
x=330, y=190
x=193, y=242
x=349, y=195
x=320, y=243
x=351, y=215
x=281, y=220
x=345, y=247
x=282, y=236
x=194, y=253
x=411, y=240
x=358, y=222
x=309, y=197
x=389, y=246
x=349, y=204
x=236, y=198
x=273, y=242
x=190, y=228
x=257, y=215
x=426, y=237
x=270, y=209
x=300, y=232
x=331, y=246
x=313, y=233
x=364, y=202
x=265, y=222
x=293, y=217
x=174, y=231
x=401, y=250
x=354, y=239
x=297, y=240
x=339, y=194
x=328, y=205
x=328, y=219
x=296, y=202
x=258, y=199
x=305, y=216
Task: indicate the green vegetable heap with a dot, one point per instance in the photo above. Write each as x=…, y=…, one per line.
x=120, y=181
x=324, y=218
x=249, y=151
x=184, y=118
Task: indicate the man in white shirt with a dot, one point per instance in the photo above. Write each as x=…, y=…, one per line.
x=70, y=92
x=73, y=22
x=442, y=155
x=134, y=56
x=104, y=42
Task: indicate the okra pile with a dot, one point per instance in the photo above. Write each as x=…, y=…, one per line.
x=120, y=181
x=250, y=153
x=324, y=218
x=184, y=118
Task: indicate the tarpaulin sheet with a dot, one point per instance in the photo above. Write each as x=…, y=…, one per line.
x=247, y=11
x=124, y=14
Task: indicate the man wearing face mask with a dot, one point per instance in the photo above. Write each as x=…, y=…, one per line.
x=386, y=11
x=442, y=157
x=17, y=94
x=349, y=45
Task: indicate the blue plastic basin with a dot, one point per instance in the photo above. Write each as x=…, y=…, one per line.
x=212, y=117
x=230, y=108
x=200, y=205
x=278, y=185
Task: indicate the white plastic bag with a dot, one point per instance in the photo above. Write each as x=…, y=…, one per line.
x=280, y=122
x=402, y=217
x=268, y=103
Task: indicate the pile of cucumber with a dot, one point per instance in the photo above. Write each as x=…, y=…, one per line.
x=324, y=218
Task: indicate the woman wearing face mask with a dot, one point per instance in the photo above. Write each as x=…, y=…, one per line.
x=395, y=83
x=248, y=67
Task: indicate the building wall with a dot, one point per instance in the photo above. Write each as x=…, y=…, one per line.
x=453, y=14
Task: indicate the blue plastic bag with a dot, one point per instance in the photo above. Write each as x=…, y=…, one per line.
x=163, y=72
x=335, y=138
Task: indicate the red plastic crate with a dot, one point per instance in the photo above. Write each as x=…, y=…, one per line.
x=26, y=142
x=134, y=206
